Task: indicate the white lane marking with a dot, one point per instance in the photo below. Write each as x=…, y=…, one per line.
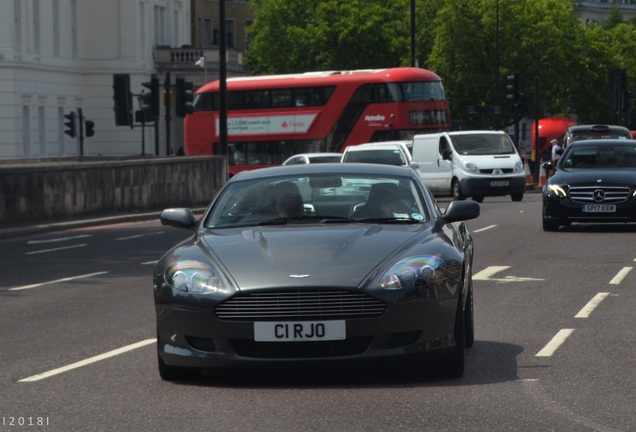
x=555, y=343
x=591, y=305
x=488, y=272
x=139, y=236
x=59, y=239
x=620, y=276
x=150, y=262
x=485, y=228
x=24, y=287
x=55, y=249
x=88, y=361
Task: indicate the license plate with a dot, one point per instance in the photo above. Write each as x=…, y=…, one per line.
x=599, y=208
x=299, y=331
x=499, y=183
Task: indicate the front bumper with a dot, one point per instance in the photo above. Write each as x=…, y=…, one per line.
x=564, y=210
x=195, y=337
x=493, y=185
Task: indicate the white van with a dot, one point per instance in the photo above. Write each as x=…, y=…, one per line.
x=469, y=164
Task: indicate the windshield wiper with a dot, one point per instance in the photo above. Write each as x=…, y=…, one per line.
x=313, y=219
x=389, y=220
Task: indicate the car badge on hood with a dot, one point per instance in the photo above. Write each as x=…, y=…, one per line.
x=300, y=276
x=497, y=171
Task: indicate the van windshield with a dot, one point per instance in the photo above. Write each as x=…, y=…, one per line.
x=483, y=144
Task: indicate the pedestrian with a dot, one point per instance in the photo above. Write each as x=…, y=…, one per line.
x=556, y=154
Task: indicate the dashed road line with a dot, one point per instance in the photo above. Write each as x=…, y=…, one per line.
x=555, y=343
x=88, y=361
x=25, y=287
x=620, y=275
x=55, y=249
x=591, y=305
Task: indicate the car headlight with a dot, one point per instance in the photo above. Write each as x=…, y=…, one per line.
x=519, y=166
x=471, y=167
x=556, y=190
x=411, y=272
x=194, y=277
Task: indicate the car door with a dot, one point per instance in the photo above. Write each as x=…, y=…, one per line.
x=443, y=167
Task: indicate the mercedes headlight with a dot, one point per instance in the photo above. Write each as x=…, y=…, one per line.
x=556, y=190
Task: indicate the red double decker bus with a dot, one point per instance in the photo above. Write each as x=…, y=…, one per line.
x=270, y=118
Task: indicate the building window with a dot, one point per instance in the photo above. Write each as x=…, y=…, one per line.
x=231, y=31
x=207, y=29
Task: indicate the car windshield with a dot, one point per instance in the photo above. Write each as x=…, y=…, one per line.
x=600, y=156
x=590, y=135
x=483, y=144
x=318, y=199
x=325, y=159
x=378, y=156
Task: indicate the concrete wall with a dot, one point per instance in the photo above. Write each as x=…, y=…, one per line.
x=57, y=189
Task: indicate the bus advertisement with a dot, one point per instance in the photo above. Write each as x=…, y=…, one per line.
x=270, y=118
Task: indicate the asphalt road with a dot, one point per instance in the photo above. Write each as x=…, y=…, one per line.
x=555, y=342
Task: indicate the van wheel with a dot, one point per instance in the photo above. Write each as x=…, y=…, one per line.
x=517, y=196
x=457, y=190
x=478, y=198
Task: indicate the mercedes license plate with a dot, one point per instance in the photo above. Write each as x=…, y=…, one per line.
x=599, y=208
x=499, y=183
x=298, y=331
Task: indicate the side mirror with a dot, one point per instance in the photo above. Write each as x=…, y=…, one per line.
x=178, y=218
x=461, y=211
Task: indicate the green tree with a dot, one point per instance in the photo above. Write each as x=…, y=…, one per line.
x=303, y=35
x=472, y=45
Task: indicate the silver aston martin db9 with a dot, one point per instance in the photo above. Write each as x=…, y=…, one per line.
x=319, y=262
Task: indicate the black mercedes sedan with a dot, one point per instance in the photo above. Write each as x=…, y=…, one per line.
x=594, y=182
x=316, y=263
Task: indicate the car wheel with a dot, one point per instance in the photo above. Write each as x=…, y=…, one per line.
x=176, y=373
x=469, y=321
x=454, y=365
x=478, y=198
x=517, y=197
x=549, y=225
x=456, y=190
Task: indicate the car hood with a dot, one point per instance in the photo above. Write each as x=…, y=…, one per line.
x=292, y=256
x=597, y=177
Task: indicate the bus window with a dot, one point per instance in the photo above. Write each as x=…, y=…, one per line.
x=282, y=98
x=203, y=102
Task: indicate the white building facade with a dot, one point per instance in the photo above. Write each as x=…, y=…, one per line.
x=58, y=56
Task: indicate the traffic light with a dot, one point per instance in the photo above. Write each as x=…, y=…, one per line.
x=515, y=92
x=70, y=124
x=184, y=97
x=90, y=128
x=151, y=100
x=123, y=100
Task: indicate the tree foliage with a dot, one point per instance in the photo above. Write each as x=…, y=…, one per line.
x=472, y=45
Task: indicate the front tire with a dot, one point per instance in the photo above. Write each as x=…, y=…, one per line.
x=456, y=190
x=454, y=365
x=517, y=197
x=469, y=321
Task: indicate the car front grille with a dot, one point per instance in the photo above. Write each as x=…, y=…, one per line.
x=299, y=305
x=491, y=171
x=599, y=194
